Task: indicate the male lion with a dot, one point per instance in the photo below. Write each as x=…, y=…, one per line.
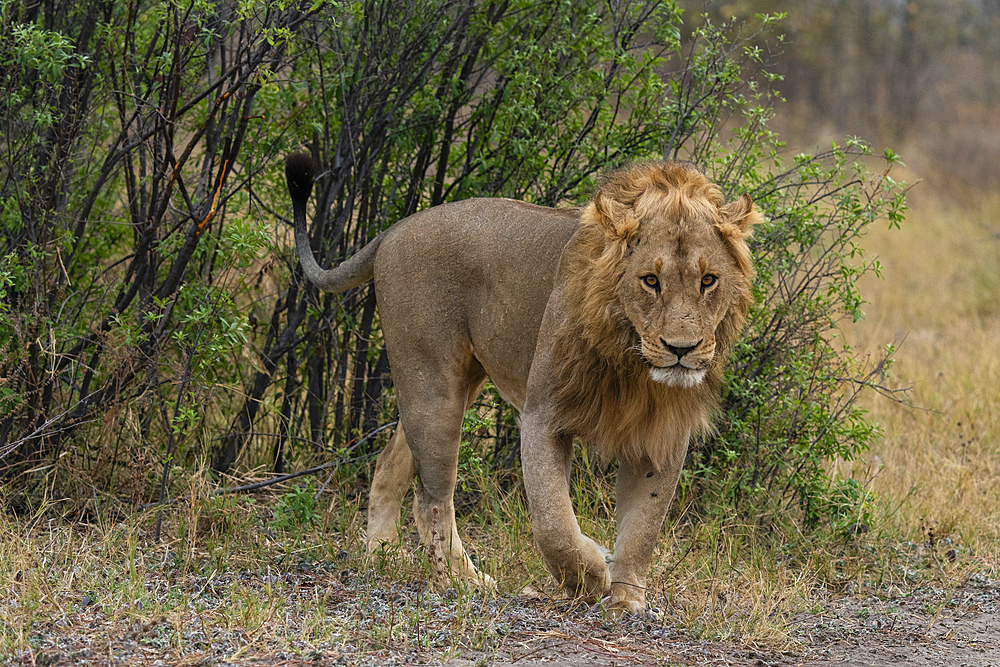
x=609, y=323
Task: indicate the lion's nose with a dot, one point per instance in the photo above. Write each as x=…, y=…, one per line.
x=679, y=350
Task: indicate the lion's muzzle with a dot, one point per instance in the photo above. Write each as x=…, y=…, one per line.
x=678, y=363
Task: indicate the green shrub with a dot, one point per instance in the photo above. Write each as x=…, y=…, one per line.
x=791, y=394
x=790, y=401
x=296, y=509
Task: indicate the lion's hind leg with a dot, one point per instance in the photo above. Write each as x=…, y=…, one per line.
x=394, y=473
x=433, y=420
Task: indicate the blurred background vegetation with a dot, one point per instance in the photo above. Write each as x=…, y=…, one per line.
x=918, y=75
x=155, y=326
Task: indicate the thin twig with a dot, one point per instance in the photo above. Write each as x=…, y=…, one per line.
x=41, y=430
x=281, y=478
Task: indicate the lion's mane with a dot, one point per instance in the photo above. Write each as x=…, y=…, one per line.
x=604, y=393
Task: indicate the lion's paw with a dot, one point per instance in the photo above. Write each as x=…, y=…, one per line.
x=447, y=574
x=626, y=601
x=622, y=608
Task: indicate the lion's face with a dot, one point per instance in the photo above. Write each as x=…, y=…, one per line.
x=673, y=269
x=675, y=287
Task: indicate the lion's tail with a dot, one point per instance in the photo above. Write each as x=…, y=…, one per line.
x=357, y=269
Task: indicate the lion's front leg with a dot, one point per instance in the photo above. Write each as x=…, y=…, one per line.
x=576, y=561
x=643, y=495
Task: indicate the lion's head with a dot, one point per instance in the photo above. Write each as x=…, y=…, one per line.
x=657, y=289
x=671, y=269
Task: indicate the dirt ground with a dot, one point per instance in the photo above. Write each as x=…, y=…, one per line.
x=958, y=627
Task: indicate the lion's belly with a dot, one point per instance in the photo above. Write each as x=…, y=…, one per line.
x=506, y=307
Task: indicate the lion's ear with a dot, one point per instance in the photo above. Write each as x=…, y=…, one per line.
x=741, y=214
x=615, y=218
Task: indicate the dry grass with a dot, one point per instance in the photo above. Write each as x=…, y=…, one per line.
x=239, y=580
x=233, y=581
x=939, y=462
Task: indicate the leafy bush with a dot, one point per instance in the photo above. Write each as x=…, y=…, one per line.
x=145, y=314
x=790, y=398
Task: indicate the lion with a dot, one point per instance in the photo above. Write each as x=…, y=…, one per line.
x=610, y=323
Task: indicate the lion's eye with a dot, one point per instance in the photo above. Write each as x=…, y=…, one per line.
x=707, y=281
x=651, y=281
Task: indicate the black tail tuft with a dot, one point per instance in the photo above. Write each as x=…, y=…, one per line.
x=300, y=170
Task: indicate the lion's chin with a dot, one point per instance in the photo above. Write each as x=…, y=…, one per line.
x=677, y=376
